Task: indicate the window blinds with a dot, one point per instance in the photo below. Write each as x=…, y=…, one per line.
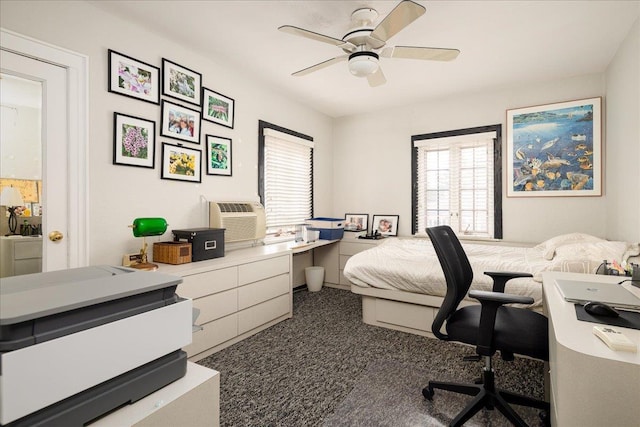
x=288, y=181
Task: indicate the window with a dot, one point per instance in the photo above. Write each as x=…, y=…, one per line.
x=285, y=179
x=456, y=181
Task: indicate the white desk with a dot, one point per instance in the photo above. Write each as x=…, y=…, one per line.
x=193, y=400
x=590, y=384
x=299, y=247
x=304, y=255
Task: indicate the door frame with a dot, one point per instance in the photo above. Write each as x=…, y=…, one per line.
x=77, y=66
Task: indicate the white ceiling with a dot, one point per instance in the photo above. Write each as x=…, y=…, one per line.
x=502, y=43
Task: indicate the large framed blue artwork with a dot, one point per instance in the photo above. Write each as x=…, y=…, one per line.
x=555, y=149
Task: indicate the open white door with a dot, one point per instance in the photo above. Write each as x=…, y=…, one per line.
x=62, y=75
x=52, y=80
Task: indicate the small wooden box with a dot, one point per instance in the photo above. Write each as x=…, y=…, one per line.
x=172, y=252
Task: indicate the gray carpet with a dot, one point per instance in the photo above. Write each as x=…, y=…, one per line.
x=324, y=367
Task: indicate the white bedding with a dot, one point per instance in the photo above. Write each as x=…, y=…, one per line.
x=411, y=265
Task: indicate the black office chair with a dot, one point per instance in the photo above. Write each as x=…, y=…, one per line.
x=489, y=326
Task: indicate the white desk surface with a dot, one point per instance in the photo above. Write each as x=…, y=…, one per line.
x=298, y=247
x=242, y=255
x=578, y=335
x=131, y=414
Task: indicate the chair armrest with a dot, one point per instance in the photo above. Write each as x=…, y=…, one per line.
x=500, y=297
x=500, y=278
x=491, y=302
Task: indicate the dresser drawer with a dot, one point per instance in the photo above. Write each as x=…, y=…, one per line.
x=254, y=271
x=25, y=250
x=198, y=285
x=27, y=266
x=213, y=334
x=215, y=306
x=263, y=290
x=263, y=313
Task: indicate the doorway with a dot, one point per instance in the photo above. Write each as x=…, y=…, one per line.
x=62, y=78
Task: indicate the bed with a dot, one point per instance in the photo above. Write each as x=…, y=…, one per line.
x=402, y=284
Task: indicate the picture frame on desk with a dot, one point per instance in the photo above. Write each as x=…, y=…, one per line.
x=386, y=225
x=356, y=222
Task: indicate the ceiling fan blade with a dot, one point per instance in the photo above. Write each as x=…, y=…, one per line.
x=321, y=65
x=402, y=15
x=377, y=78
x=415, y=52
x=316, y=36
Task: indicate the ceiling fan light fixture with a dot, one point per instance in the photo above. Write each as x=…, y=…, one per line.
x=362, y=64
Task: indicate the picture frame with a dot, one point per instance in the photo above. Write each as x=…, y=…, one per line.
x=133, y=78
x=219, y=155
x=218, y=108
x=555, y=150
x=386, y=225
x=180, y=82
x=134, y=141
x=181, y=163
x=180, y=122
x=356, y=222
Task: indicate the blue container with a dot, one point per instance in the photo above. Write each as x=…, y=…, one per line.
x=330, y=233
x=329, y=228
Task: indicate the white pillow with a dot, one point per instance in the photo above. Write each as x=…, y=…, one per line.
x=592, y=251
x=549, y=247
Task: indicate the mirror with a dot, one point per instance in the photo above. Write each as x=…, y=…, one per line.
x=20, y=169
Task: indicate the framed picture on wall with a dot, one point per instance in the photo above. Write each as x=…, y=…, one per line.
x=217, y=108
x=181, y=163
x=133, y=141
x=387, y=225
x=180, y=82
x=555, y=150
x=180, y=122
x=356, y=222
x=218, y=155
x=134, y=78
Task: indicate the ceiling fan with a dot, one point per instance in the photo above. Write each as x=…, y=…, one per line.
x=364, y=44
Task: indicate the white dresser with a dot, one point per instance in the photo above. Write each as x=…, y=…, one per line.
x=20, y=255
x=238, y=295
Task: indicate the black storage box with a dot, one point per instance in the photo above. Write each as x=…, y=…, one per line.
x=206, y=243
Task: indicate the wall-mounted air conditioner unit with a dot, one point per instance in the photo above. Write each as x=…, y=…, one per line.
x=241, y=220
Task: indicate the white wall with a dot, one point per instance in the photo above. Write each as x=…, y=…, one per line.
x=372, y=158
x=363, y=164
x=623, y=140
x=118, y=194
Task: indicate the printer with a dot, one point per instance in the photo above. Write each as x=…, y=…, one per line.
x=76, y=344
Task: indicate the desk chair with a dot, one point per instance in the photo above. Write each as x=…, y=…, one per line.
x=489, y=326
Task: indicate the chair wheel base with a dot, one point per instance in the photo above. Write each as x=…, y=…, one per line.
x=427, y=393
